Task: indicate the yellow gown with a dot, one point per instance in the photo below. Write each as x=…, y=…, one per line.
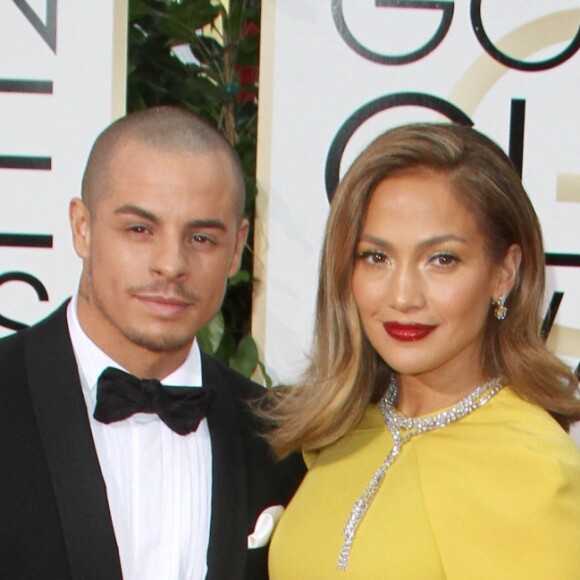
x=495, y=495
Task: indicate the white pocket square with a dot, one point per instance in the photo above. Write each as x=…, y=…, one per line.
x=265, y=525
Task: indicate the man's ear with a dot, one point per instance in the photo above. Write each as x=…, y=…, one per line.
x=241, y=236
x=507, y=272
x=79, y=219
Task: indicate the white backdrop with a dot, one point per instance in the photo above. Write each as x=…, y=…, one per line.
x=326, y=64
x=62, y=80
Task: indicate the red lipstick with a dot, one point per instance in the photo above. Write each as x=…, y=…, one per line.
x=408, y=332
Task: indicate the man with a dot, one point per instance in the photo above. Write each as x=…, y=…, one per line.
x=159, y=229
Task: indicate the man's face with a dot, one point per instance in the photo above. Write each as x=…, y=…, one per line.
x=158, y=244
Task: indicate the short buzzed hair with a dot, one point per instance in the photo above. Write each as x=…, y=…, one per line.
x=167, y=129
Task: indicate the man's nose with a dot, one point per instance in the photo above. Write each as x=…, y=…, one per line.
x=169, y=257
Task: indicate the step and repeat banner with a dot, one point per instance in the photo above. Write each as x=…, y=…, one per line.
x=62, y=80
x=336, y=73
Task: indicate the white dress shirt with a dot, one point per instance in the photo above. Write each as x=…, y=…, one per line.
x=158, y=482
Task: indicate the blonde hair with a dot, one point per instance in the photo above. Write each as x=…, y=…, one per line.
x=345, y=373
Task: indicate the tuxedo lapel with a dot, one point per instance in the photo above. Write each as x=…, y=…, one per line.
x=228, y=531
x=72, y=460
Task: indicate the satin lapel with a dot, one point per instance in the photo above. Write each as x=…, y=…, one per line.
x=228, y=532
x=65, y=431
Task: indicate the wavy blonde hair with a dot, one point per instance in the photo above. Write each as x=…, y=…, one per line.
x=345, y=372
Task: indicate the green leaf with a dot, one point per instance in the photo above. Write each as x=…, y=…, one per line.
x=267, y=378
x=185, y=18
x=245, y=359
x=138, y=8
x=227, y=346
x=210, y=336
x=240, y=277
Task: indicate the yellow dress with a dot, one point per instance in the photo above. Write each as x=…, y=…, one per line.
x=495, y=495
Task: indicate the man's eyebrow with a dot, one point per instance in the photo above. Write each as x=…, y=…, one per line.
x=135, y=210
x=208, y=223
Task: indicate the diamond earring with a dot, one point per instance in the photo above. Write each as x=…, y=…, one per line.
x=501, y=310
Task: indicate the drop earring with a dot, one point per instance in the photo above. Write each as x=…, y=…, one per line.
x=501, y=310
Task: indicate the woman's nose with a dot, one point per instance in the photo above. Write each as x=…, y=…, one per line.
x=405, y=288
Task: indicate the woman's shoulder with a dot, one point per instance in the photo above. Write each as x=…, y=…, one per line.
x=512, y=447
x=519, y=422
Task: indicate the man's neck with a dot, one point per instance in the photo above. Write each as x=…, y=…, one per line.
x=139, y=360
x=146, y=364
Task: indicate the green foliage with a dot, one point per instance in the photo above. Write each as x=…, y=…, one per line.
x=218, y=82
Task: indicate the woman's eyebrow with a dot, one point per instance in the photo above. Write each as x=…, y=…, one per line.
x=432, y=241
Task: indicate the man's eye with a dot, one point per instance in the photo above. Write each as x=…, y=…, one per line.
x=139, y=229
x=202, y=239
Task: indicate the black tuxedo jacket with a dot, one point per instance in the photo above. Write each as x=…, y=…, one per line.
x=54, y=516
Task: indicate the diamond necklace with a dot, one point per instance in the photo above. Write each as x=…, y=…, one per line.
x=396, y=423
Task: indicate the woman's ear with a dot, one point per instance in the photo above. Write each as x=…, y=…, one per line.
x=78, y=214
x=507, y=271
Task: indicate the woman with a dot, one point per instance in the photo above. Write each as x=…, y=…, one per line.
x=432, y=417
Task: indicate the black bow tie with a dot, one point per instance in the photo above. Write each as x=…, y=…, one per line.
x=120, y=395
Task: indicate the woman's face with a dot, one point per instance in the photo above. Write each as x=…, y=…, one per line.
x=422, y=279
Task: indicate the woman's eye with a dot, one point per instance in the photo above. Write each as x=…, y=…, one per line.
x=373, y=257
x=445, y=259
